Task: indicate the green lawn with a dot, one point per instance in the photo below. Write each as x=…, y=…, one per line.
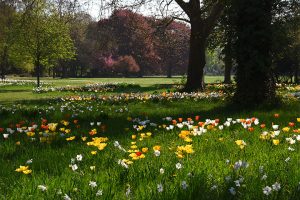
x=12, y=94
x=212, y=167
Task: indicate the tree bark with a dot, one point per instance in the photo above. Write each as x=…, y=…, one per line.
x=196, y=59
x=255, y=84
x=228, y=65
x=4, y=62
x=38, y=71
x=296, y=80
x=169, y=73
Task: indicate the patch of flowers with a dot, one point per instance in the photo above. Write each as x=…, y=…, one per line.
x=20, y=82
x=95, y=88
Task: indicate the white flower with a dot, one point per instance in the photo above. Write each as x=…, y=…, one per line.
x=72, y=160
x=161, y=171
x=179, y=125
x=93, y=184
x=42, y=187
x=276, y=186
x=29, y=161
x=93, y=168
x=5, y=135
x=74, y=167
x=267, y=190
x=92, y=123
x=160, y=188
x=123, y=164
x=98, y=123
x=214, y=187
x=157, y=153
x=59, y=192
x=287, y=159
x=237, y=183
x=99, y=193
x=227, y=124
x=184, y=185
x=66, y=197
x=128, y=191
x=264, y=177
x=79, y=157
x=275, y=127
x=276, y=133
x=232, y=191
x=116, y=144
x=298, y=137
x=168, y=118
x=221, y=127
x=228, y=178
x=229, y=119
x=178, y=166
x=291, y=149
x=261, y=169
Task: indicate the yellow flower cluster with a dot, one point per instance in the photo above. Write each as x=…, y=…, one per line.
x=24, y=170
x=185, y=136
x=181, y=150
x=98, y=142
x=241, y=143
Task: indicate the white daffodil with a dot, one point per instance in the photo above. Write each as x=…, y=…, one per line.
x=267, y=190
x=232, y=191
x=42, y=188
x=276, y=186
x=264, y=177
x=66, y=197
x=92, y=184
x=74, y=167
x=156, y=152
x=178, y=166
x=79, y=157
x=161, y=171
x=184, y=185
x=99, y=193
x=160, y=187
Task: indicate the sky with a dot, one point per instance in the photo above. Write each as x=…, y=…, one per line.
x=93, y=8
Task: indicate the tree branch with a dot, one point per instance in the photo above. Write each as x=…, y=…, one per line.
x=182, y=19
x=184, y=6
x=215, y=13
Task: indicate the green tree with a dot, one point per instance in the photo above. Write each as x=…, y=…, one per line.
x=44, y=36
x=7, y=17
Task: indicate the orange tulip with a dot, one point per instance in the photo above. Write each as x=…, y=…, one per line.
x=197, y=118
x=201, y=124
x=291, y=124
x=276, y=115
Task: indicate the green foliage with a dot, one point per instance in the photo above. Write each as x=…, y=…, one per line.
x=44, y=35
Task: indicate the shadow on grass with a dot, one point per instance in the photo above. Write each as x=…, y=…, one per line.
x=15, y=91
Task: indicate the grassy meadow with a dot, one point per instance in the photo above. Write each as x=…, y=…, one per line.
x=141, y=139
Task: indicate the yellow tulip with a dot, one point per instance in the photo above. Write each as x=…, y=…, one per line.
x=275, y=142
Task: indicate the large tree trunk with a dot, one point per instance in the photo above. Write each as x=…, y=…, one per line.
x=38, y=71
x=169, y=72
x=296, y=75
x=196, y=59
x=4, y=62
x=228, y=64
x=255, y=84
